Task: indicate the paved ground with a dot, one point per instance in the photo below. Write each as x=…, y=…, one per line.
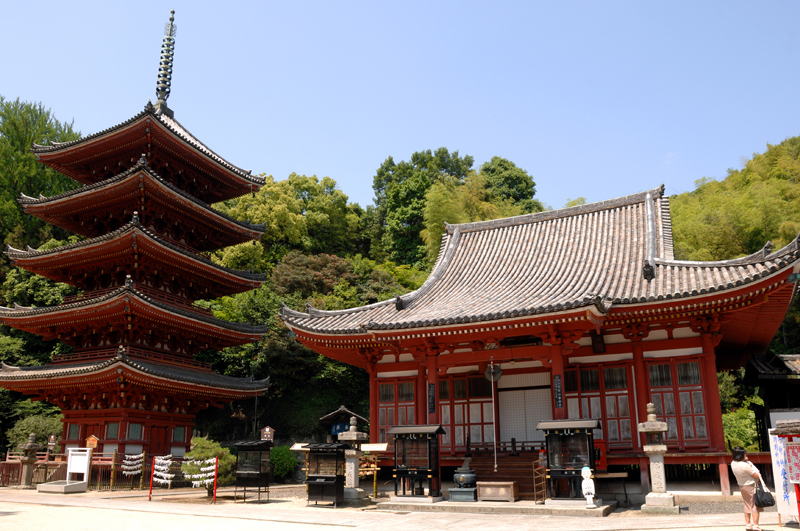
x=26, y=509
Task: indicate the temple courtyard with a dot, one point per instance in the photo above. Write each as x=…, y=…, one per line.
x=287, y=510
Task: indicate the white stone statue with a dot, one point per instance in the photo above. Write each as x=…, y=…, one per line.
x=588, y=487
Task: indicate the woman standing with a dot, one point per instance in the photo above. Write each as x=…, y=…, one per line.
x=746, y=475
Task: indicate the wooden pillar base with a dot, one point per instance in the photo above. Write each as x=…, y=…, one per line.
x=724, y=478
x=644, y=468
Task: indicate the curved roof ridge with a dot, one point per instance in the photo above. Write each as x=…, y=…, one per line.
x=439, y=269
x=400, y=300
x=187, y=136
x=758, y=257
x=239, y=327
x=141, y=166
x=548, y=215
x=315, y=312
x=55, y=146
x=183, y=134
x=247, y=275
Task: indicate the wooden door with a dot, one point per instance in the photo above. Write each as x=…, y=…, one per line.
x=158, y=441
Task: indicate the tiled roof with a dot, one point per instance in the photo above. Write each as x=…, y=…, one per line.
x=134, y=225
x=170, y=124
x=614, y=252
x=169, y=372
x=140, y=166
x=22, y=311
x=777, y=366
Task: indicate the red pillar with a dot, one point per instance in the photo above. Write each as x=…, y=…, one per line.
x=433, y=380
x=373, y=407
x=642, y=387
x=557, y=376
x=422, y=393
x=724, y=478
x=716, y=433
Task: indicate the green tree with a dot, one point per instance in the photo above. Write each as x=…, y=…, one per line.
x=575, y=202
x=739, y=426
x=400, y=190
x=452, y=203
x=21, y=125
x=506, y=181
x=300, y=213
x=736, y=216
x=283, y=460
x=202, y=449
x=43, y=426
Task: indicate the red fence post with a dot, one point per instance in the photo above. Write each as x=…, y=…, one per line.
x=152, y=469
x=216, y=465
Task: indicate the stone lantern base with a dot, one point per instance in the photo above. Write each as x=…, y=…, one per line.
x=660, y=503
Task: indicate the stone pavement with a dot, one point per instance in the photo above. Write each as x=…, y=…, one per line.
x=27, y=509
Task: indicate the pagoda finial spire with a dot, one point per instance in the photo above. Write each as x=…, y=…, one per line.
x=165, y=65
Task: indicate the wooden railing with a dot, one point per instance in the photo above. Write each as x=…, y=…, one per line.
x=169, y=359
x=163, y=296
x=89, y=295
x=157, y=294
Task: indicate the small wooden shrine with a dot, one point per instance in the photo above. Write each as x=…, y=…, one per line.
x=589, y=316
x=143, y=212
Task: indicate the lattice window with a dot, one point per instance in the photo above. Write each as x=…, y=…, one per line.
x=602, y=392
x=395, y=406
x=676, y=391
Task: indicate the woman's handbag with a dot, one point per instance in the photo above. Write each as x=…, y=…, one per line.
x=763, y=498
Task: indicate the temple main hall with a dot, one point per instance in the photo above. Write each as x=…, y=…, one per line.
x=587, y=313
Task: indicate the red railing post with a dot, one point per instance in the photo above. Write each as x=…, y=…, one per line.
x=216, y=466
x=152, y=469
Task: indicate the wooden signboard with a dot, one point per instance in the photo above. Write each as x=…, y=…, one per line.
x=267, y=434
x=375, y=447
x=91, y=441
x=793, y=462
x=557, y=391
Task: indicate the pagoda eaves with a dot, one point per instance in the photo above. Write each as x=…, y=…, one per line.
x=177, y=155
x=102, y=263
x=101, y=207
x=128, y=315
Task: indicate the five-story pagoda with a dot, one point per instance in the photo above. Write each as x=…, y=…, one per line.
x=144, y=212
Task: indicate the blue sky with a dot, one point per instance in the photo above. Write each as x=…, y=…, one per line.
x=594, y=99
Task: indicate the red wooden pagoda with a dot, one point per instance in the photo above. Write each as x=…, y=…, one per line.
x=144, y=212
x=588, y=315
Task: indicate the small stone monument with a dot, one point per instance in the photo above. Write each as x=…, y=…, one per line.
x=351, y=460
x=587, y=487
x=659, y=501
x=28, y=460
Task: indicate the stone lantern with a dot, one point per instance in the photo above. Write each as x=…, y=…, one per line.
x=658, y=501
x=28, y=460
x=351, y=457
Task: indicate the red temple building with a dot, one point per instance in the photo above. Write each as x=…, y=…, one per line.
x=143, y=211
x=588, y=315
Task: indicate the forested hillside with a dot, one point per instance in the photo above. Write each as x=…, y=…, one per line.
x=322, y=250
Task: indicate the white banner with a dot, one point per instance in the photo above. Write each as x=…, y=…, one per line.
x=785, y=499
